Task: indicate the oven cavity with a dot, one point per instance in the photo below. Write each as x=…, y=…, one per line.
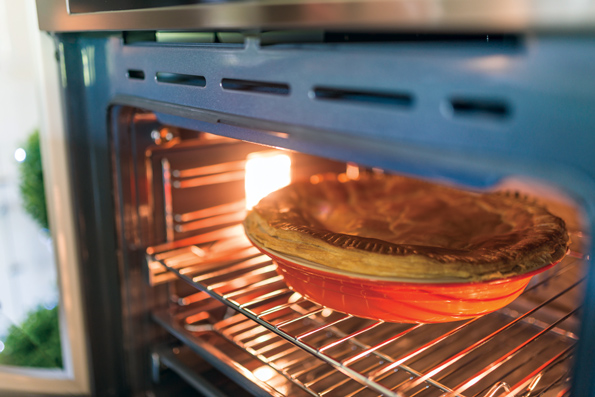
x=219, y=298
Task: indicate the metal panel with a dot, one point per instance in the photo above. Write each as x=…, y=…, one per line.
x=399, y=15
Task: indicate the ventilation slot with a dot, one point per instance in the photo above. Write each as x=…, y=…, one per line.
x=182, y=79
x=135, y=74
x=483, y=108
x=487, y=38
x=260, y=87
x=401, y=100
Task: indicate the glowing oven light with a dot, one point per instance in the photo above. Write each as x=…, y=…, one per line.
x=264, y=373
x=265, y=173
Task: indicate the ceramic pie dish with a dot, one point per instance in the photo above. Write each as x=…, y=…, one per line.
x=395, y=299
x=400, y=249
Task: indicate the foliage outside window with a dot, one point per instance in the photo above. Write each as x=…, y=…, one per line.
x=36, y=342
x=31, y=182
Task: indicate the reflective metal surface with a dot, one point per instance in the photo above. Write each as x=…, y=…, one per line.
x=395, y=15
x=527, y=346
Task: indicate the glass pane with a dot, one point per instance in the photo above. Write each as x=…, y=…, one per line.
x=29, y=296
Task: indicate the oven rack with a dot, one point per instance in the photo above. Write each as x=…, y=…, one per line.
x=190, y=324
x=211, y=346
x=306, y=376
x=223, y=265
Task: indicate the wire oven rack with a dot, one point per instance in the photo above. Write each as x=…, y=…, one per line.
x=523, y=349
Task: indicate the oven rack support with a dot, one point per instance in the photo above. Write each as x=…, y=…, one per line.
x=221, y=361
x=212, y=280
x=163, y=355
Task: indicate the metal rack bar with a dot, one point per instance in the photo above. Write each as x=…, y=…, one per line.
x=237, y=207
x=252, y=287
x=210, y=169
x=419, y=350
x=260, y=354
x=439, y=367
x=380, y=345
x=231, y=176
x=210, y=222
x=218, y=359
x=279, y=307
x=348, y=337
x=525, y=382
x=509, y=355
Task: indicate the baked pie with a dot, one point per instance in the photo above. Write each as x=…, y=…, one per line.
x=392, y=226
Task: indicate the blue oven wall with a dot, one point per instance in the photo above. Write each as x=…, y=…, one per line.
x=474, y=113
x=85, y=114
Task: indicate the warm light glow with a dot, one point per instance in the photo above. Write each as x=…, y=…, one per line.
x=264, y=373
x=326, y=312
x=352, y=171
x=20, y=155
x=294, y=297
x=265, y=173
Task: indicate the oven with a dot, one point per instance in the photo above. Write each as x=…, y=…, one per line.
x=175, y=115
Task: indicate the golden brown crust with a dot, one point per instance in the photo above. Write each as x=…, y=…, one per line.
x=385, y=225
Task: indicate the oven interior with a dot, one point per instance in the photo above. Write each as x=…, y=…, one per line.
x=215, y=304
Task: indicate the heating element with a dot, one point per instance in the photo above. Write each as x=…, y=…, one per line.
x=524, y=349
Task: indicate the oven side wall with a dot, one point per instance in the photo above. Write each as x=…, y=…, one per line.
x=85, y=93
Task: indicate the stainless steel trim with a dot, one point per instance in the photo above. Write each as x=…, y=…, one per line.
x=401, y=15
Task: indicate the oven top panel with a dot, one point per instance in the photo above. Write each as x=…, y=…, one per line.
x=84, y=6
x=396, y=15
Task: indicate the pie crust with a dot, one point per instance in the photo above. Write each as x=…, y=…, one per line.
x=387, y=225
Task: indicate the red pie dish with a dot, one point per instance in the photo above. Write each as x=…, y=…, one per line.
x=396, y=299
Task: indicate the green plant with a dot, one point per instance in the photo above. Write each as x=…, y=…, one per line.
x=31, y=182
x=36, y=343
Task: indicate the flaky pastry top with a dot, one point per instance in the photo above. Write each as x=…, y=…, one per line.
x=387, y=225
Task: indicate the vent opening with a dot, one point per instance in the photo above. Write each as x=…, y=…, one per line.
x=181, y=79
x=135, y=74
x=260, y=87
x=473, y=107
x=396, y=99
x=374, y=37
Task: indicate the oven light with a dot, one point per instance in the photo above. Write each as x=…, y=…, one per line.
x=265, y=173
x=352, y=171
x=20, y=155
x=264, y=373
